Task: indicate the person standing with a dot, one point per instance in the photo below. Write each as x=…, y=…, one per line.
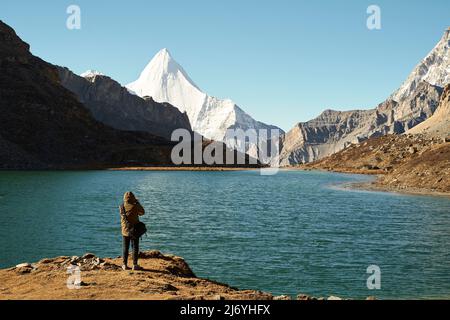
x=130, y=211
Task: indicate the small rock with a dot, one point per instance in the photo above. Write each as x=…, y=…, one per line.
x=24, y=265
x=217, y=297
x=168, y=287
x=334, y=298
x=74, y=260
x=282, y=297
x=45, y=261
x=303, y=297
x=153, y=254
x=23, y=270
x=88, y=256
x=371, y=298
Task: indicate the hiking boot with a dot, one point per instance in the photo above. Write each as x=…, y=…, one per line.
x=124, y=268
x=137, y=268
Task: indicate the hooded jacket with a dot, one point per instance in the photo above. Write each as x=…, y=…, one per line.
x=133, y=210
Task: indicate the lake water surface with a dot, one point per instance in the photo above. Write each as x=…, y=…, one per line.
x=289, y=233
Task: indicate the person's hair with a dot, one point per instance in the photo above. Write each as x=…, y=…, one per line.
x=129, y=197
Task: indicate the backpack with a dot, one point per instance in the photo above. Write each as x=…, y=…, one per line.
x=137, y=230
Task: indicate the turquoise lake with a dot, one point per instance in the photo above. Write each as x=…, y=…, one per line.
x=294, y=232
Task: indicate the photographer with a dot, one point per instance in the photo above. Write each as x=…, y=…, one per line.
x=130, y=211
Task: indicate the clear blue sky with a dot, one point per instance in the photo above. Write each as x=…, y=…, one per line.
x=281, y=61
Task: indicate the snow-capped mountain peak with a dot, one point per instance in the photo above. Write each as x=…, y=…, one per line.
x=166, y=81
x=434, y=69
x=161, y=63
x=161, y=67
x=91, y=73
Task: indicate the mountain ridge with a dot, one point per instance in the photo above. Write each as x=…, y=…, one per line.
x=166, y=81
x=414, y=102
x=434, y=69
x=44, y=126
x=112, y=104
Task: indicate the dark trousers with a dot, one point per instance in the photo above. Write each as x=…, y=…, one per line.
x=126, y=248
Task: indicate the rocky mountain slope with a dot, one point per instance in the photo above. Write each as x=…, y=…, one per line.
x=434, y=69
x=406, y=163
x=44, y=126
x=417, y=161
x=413, y=103
x=438, y=124
x=113, y=105
x=165, y=80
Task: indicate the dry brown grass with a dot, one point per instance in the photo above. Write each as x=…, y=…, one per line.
x=164, y=277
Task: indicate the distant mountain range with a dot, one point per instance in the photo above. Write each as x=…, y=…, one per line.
x=165, y=80
x=44, y=126
x=113, y=105
x=414, y=102
x=52, y=117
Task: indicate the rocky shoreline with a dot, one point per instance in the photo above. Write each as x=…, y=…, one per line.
x=377, y=187
x=164, y=277
x=416, y=162
x=410, y=164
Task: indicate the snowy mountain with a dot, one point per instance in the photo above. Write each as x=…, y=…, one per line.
x=113, y=105
x=434, y=69
x=412, y=104
x=166, y=81
x=91, y=74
